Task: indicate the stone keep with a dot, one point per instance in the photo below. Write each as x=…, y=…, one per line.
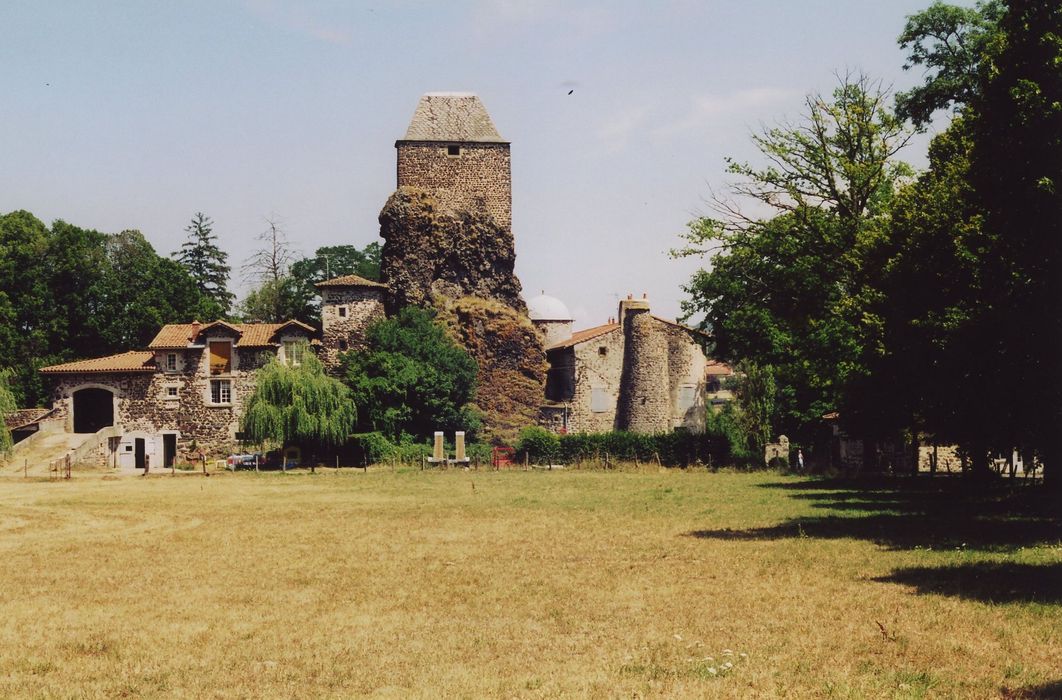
x=348, y=305
x=452, y=150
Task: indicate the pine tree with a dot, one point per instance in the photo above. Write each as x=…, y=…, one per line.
x=206, y=262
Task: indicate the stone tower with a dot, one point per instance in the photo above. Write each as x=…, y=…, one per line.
x=453, y=151
x=348, y=305
x=644, y=404
x=448, y=244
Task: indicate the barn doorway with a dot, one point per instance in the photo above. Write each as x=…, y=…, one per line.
x=169, y=449
x=93, y=410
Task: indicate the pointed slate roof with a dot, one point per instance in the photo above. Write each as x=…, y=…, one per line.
x=452, y=116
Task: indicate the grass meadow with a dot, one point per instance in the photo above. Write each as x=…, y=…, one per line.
x=525, y=585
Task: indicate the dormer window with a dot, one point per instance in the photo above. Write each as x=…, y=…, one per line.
x=453, y=150
x=294, y=351
x=220, y=356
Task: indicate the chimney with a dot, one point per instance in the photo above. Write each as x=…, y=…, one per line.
x=631, y=305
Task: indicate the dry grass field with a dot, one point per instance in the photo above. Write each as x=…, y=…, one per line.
x=523, y=584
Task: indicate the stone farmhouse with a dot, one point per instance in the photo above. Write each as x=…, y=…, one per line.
x=185, y=392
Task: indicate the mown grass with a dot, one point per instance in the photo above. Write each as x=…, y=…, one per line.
x=525, y=584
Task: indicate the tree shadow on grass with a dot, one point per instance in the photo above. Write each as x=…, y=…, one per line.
x=1048, y=691
x=988, y=582
x=940, y=513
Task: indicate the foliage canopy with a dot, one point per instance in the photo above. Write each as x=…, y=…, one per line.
x=299, y=405
x=414, y=378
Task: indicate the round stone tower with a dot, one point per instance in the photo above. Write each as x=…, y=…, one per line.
x=551, y=318
x=644, y=404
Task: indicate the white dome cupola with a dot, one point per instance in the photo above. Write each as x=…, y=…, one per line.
x=551, y=317
x=547, y=308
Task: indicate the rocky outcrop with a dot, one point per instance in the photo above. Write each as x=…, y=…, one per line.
x=429, y=250
x=461, y=263
x=512, y=365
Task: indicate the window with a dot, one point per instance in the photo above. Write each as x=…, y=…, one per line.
x=171, y=392
x=294, y=351
x=602, y=351
x=342, y=346
x=600, y=401
x=171, y=362
x=220, y=356
x=453, y=150
x=342, y=312
x=220, y=391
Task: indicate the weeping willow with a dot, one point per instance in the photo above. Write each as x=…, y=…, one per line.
x=7, y=405
x=299, y=405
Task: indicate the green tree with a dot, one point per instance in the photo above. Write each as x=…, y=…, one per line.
x=7, y=405
x=300, y=297
x=415, y=379
x=757, y=395
x=971, y=292
x=950, y=44
x=789, y=290
x=299, y=405
x=68, y=293
x=140, y=291
x=273, y=301
x=207, y=263
x=1016, y=178
x=25, y=330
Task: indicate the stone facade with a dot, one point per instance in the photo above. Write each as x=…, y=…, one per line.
x=643, y=374
x=346, y=312
x=478, y=178
x=181, y=404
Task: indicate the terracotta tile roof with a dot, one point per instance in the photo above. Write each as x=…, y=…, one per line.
x=176, y=336
x=25, y=416
x=132, y=361
x=684, y=327
x=452, y=116
x=716, y=367
x=350, y=281
x=583, y=336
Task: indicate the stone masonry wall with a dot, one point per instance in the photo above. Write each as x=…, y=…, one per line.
x=144, y=407
x=594, y=370
x=686, y=365
x=363, y=304
x=644, y=402
x=479, y=179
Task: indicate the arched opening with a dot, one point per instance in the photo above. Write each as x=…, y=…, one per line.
x=93, y=410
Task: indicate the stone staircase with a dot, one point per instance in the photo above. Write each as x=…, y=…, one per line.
x=34, y=455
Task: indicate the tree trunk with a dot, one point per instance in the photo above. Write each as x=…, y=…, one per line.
x=979, y=464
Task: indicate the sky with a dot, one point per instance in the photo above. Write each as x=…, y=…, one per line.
x=137, y=114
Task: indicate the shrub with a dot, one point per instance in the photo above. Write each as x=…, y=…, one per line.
x=372, y=447
x=537, y=444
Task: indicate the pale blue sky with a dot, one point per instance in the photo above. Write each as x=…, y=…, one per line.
x=136, y=114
